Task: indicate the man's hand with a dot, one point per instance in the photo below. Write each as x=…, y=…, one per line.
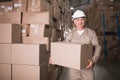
x=90, y=64
x=50, y=61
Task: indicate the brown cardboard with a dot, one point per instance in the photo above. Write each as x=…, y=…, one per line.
x=12, y=17
x=35, y=18
x=36, y=40
x=56, y=13
x=2, y=7
x=39, y=30
x=6, y=7
x=9, y=6
x=36, y=30
x=5, y=71
x=25, y=30
x=20, y=5
x=10, y=33
x=5, y=53
x=29, y=54
x=72, y=55
x=37, y=5
x=27, y=72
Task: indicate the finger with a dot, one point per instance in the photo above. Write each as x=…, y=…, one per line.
x=89, y=64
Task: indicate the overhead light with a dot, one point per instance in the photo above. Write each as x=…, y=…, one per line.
x=71, y=8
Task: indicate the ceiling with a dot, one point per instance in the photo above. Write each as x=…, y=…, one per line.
x=79, y=4
x=76, y=3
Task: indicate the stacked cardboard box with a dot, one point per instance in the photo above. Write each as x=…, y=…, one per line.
x=29, y=61
x=5, y=72
x=95, y=15
x=95, y=21
x=19, y=5
x=29, y=58
x=12, y=17
x=23, y=72
x=6, y=7
x=7, y=13
x=35, y=57
x=34, y=21
x=29, y=54
x=61, y=15
x=9, y=33
x=42, y=21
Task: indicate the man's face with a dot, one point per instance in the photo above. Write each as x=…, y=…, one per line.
x=79, y=23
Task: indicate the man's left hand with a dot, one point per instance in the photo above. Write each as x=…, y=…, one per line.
x=90, y=64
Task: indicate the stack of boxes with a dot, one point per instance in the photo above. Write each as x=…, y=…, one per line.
x=61, y=15
x=35, y=26
x=9, y=33
x=94, y=15
x=24, y=32
x=29, y=62
x=95, y=21
x=26, y=29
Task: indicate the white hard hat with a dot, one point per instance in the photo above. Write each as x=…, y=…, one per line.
x=77, y=14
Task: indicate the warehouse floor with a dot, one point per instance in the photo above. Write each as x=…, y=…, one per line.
x=109, y=70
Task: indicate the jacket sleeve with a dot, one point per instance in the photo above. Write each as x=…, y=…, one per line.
x=97, y=48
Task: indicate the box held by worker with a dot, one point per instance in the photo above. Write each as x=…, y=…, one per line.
x=72, y=55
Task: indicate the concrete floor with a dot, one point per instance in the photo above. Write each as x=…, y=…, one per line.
x=107, y=70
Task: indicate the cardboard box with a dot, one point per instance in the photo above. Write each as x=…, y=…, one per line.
x=2, y=7
x=5, y=53
x=29, y=54
x=56, y=13
x=12, y=17
x=37, y=5
x=36, y=30
x=6, y=7
x=25, y=30
x=37, y=40
x=20, y=5
x=72, y=55
x=27, y=72
x=10, y=33
x=35, y=18
x=39, y=30
x=9, y=7
x=5, y=71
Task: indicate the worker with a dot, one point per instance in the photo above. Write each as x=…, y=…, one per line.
x=84, y=35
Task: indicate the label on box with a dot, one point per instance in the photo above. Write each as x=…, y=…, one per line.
x=10, y=8
x=2, y=6
x=32, y=25
x=23, y=31
x=17, y=5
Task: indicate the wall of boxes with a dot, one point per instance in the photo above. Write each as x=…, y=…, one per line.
x=95, y=16
x=27, y=27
